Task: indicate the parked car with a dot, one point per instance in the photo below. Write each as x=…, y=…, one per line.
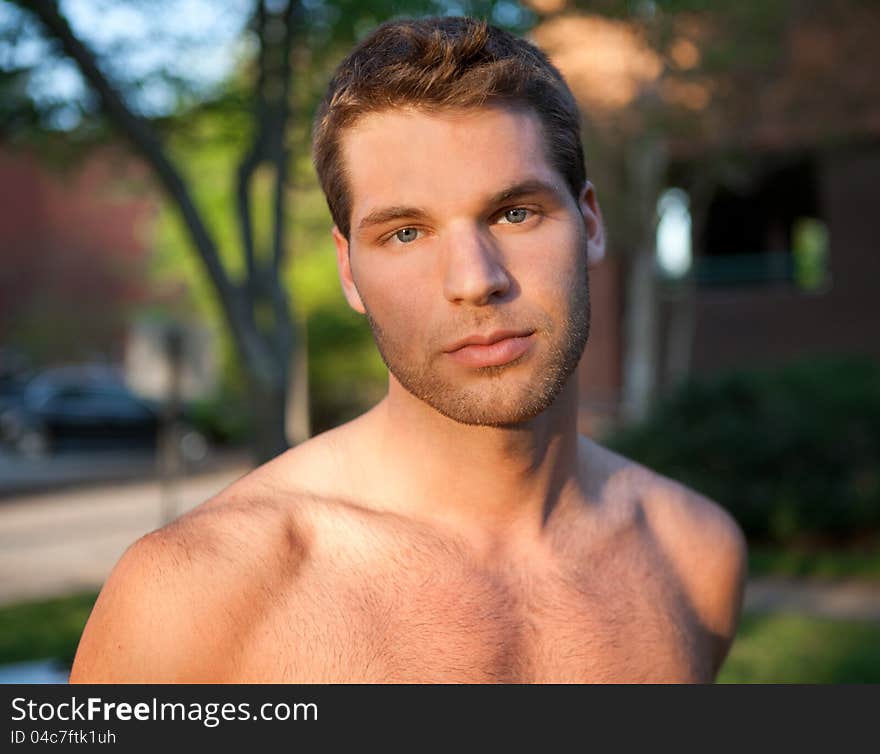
x=11, y=391
x=14, y=375
x=81, y=407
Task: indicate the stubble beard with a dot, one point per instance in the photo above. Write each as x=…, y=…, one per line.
x=495, y=398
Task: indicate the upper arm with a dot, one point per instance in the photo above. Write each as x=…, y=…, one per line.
x=722, y=569
x=142, y=628
x=178, y=602
x=709, y=553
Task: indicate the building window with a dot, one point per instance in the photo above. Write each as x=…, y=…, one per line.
x=811, y=258
x=767, y=231
x=673, y=234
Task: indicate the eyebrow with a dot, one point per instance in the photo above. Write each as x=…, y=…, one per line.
x=519, y=190
x=526, y=188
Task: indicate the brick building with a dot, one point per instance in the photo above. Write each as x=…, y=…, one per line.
x=73, y=239
x=781, y=163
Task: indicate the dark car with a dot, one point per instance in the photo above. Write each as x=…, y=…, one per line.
x=79, y=408
x=11, y=391
x=14, y=375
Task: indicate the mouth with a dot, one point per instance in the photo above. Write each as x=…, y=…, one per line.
x=494, y=349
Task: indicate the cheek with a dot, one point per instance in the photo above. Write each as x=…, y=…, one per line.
x=549, y=264
x=396, y=301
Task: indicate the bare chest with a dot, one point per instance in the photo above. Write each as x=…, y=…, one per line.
x=467, y=626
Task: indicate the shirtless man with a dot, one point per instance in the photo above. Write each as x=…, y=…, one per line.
x=461, y=530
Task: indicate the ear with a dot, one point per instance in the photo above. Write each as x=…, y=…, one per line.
x=343, y=266
x=592, y=215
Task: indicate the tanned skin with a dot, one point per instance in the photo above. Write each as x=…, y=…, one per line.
x=450, y=534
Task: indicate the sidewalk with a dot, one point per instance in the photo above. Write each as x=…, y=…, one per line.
x=844, y=600
x=21, y=476
x=38, y=671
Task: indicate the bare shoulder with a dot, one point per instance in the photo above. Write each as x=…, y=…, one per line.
x=701, y=540
x=179, y=597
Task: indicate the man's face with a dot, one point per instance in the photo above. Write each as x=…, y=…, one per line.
x=462, y=230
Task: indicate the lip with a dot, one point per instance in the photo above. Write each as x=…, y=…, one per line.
x=491, y=350
x=489, y=339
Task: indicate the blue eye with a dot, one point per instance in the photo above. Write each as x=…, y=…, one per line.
x=407, y=235
x=516, y=215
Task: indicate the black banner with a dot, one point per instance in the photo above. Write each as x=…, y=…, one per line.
x=144, y=717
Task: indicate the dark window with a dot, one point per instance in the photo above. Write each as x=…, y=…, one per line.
x=767, y=231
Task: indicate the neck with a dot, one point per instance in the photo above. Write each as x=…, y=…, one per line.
x=481, y=481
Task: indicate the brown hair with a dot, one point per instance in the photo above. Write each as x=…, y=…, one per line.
x=443, y=63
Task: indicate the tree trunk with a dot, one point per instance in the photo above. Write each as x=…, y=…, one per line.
x=640, y=331
x=645, y=172
x=264, y=350
x=297, y=419
x=680, y=338
x=684, y=316
x=268, y=406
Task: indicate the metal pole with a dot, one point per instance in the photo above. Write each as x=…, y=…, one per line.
x=169, y=432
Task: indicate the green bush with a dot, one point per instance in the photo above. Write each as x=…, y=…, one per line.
x=40, y=629
x=346, y=374
x=793, y=453
x=223, y=419
x=346, y=377
x=786, y=648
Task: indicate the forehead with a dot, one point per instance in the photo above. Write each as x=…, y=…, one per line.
x=444, y=159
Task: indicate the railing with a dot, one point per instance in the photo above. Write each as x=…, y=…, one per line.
x=733, y=269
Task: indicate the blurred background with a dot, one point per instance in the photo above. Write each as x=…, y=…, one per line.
x=170, y=314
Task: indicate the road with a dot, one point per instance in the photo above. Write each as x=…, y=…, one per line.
x=68, y=540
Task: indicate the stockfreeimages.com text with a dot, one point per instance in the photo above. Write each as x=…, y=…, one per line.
x=210, y=714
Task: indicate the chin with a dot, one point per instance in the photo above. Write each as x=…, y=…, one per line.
x=487, y=410
x=505, y=396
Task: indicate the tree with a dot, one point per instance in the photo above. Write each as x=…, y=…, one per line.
x=688, y=78
x=256, y=309
x=255, y=306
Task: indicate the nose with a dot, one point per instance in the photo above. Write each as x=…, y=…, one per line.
x=473, y=270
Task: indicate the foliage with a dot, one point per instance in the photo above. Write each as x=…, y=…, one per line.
x=345, y=372
x=222, y=418
x=792, y=453
x=37, y=630
x=782, y=648
x=220, y=145
x=861, y=563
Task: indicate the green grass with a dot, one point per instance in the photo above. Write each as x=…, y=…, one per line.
x=782, y=648
x=36, y=630
x=861, y=564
